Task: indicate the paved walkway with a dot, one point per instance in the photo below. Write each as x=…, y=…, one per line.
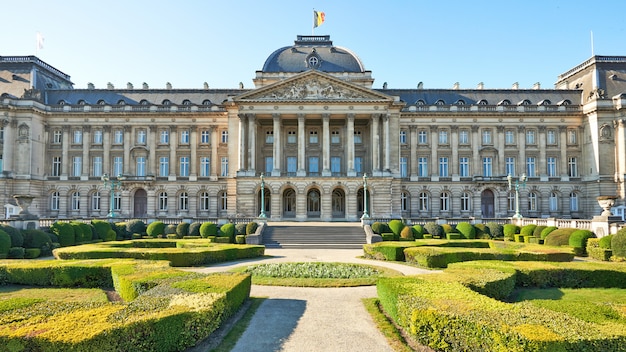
x=312, y=319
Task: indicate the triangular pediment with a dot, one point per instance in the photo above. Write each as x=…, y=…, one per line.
x=312, y=86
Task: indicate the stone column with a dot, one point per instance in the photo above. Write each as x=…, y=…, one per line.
x=106, y=146
x=193, y=158
x=620, y=155
x=173, y=146
x=387, y=142
x=9, y=142
x=433, y=151
x=242, y=142
x=252, y=129
x=152, y=167
x=375, y=143
x=277, y=145
x=86, y=146
x=500, y=148
x=454, y=143
x=521, y=144
x=301, y=146
x=326, y=145
x=476, y=151
x=65, y=156
x=350, y=146
x=214, y=145
x=413, y=161
x=127, y=143
x=541, y=165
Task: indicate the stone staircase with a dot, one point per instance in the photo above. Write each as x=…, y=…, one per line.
x=317, y=236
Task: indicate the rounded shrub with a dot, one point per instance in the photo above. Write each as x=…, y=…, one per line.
x=37, y=239
x=466, y=229
x=538, y=230
x=251, y=227
x=578, y=241
x=433, y=229
x=240, y=229
x=32, y=253
x=495, y=230
x=17, y=240
x=605, y=242
x=16, y=253
x=527, y=230
x=510, y=230
x=482, y=231
x=547, y=231
x=407, y=233
x=169, y=229
x=65, y=233
x=136, y=226
x=228, y=230
x=208, y=229
x=396, y=226
x=120, y=231
x=418, y=231
x=155, y=229
x=618, y=244
x=5, y=244
x=182, y=230
x=380, y=227
x=240, y=239
x=559, y=237
x=54, y=238
x=447, y=228
x=102, y=229
x=194, y=228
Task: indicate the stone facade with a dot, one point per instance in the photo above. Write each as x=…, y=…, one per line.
x=313, y=126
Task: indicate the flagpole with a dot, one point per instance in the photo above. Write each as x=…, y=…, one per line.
x=313, y=24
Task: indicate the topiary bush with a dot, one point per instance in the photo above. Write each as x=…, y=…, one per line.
x=559, y=237
x=169, y=229
x=32, y=253
x=5, y=244
x=538, y=230
x=65, y=233
x=407, y=233
x=447, y=228
x=37, y=239
x=240, y=229
x=495, y=230
x=182, y=230
x=527, y=230
x=509, y=231
x=380, y=227
x=194, y=228
x=618, y=244
x=547, y=231
x=155, y=229
x=16, y=253
x=136, y=226
x=17, y=240
x=208, y=229
x=79, y=235
x=578, y=241
x=482, y=231
x=120, y=231
x=104, y=230
x=605, y=242
x=396, y=226
x=433, y=229
x=228, y=230
x=418, y=231
x=251, y=228
x=240, y=239
x=466, y=230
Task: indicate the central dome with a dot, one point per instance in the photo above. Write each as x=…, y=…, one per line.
x=313, y=52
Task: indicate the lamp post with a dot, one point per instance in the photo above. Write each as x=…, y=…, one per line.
x=365, y=216
x=516, y=186
x=111, y=184
x=262, y=215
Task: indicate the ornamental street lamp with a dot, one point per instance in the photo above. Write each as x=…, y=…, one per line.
x=516, y=186
x=112, y=185
x=365, y=214
x=262, y=215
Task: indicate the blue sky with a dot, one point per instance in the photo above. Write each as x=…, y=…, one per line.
x=402, y=42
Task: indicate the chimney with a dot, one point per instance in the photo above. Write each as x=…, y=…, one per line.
x=537, y=86
x=515, y=85
x=110, y=86
x=456, y=86
x=129, y=85
x=90, y=86
x=480, y=85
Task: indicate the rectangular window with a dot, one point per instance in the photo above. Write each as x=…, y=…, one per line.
x=572, y=167
x=118, y=165
x=463, y=137
x=335, y=165
x=313, y=137
x=118, y=137
x=358, y=165
x=77, y=166
x=487, y=166
x=97, y=166
x=292, y=165
x=57, y=137
x=224, y=172
x=551, y=137
x=164, y=166
x=224, y=136
x=205, y=166
x=314, y=165
x=509, y=137
x=95, y=201
x=487, y=137
x=572, y=138
x=509, y=165
x=443, y=137
x=164, y=137
x=184, y=166
x=358, y=139
x=56, y=166
x=552, y=167
x=335, y=137
x=78, y=137
x=97, y=137
x=422, y=137
x=464, y=167
x=55, y=201
x=402, y=136
x=530, y=137
x=531, y=170
x=292, y=137
x=422, y=166
x=205, y=137
x=141, y=136
x=184, y=137
x=269, y=164
x=141, y=166
x=403, y=167
x=269, y=137
x=117, y=201
x=443, y=167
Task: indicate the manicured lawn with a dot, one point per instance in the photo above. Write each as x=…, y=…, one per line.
x=11, y=292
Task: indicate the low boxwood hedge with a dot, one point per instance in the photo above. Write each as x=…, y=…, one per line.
x=388, y=250
x=456, y=310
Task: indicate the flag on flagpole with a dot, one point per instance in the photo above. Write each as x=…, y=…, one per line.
x=318, y=18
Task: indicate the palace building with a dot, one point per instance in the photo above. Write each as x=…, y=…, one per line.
x=313, y=126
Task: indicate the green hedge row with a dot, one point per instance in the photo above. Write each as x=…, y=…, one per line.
x=181, y=256
x=456, y=311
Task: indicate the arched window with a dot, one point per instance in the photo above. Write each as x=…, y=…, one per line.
x=505, y=102
x=405, y=201
x=101, y=102
x=61, y=102
x=183, y=201
x=466, y=201
x=423, y=201
x=206, y=102
x=121, y=102
x=483, y=102
x=420, y=102
x=163, y=201
x=186, y=102
x=565, y=102
x=545, y=102
x=166, y=102
x=554, y=201
x=55, y=200
x=144, y=102
x=460, y=102
x=204, y=201
x=532, y=201
x=440, y=102
x=573, y=202
x=524, y=102
x=81, y=102
x=444, y=201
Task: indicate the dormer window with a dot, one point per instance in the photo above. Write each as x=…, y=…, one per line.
x=101, y=102
x=144, y=102
x=440, y=102
x=121, y=102
x=545, y=102
x=81, y=102
x=505, y=102
x=206, y=102
x=61, y=102
x=524, y=102
x=186, y=102
x=460, y=102
x=483, y=102
x=420, y=102
x=166, y=102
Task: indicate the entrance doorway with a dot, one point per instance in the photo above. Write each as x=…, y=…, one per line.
x=486, y=204
x=289, y=203
x=339, y=203
x=313, y=204
x=140, y=204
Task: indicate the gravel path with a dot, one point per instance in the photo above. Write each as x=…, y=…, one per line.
x=312, y=319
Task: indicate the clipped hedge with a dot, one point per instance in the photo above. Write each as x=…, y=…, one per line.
x=578, y=241
x=208, y=229
x=418, y=231
x=104, y=231
x=510, y=230
x=527, y=230
x=559, y=237
x=495, y=230
x=545, y=232
x=65, y=233
x=155, y=229
x=17, y=240
x=5, y=244
x=407, y=233
x=595, y=250
x=228, y=230
x=251, y=228
x=618, y=243
x=182, y=230
x=433, y=229
x=393, y=251
x=194, y=229
x=396, y=227
x=466, y=229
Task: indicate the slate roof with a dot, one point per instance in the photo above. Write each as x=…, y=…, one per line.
x=134, y=97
